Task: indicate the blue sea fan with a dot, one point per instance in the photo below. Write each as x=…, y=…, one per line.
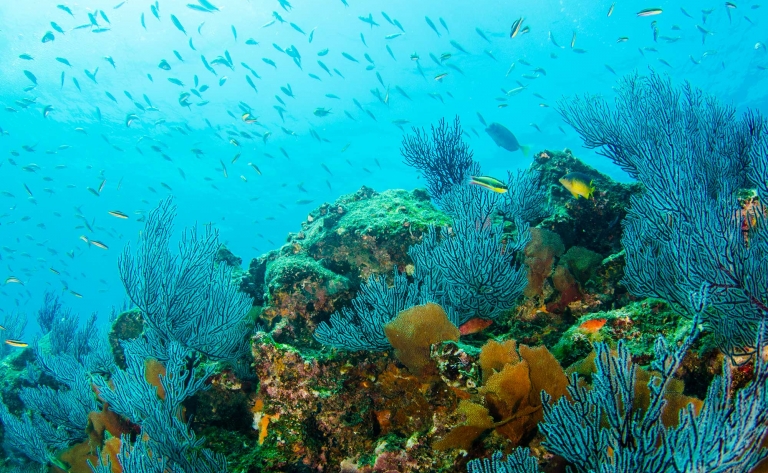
x=361, y=327
x=599, y=430
x=443, y=158
x=695, y=223
x=185, y=298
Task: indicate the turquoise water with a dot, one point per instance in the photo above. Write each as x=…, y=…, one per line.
x=85, y=142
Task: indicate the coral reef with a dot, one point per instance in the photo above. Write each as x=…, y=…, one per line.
x=340, y=246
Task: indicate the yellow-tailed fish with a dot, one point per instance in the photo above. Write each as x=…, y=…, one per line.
x=578, y=184
x=16, y=343
x=490, y=183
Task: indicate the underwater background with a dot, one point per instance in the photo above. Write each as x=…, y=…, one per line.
x=264, y=118
x=261, y=209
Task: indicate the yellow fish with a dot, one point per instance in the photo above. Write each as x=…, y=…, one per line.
x=16, y=343
x=490, y=183
x=578, y=184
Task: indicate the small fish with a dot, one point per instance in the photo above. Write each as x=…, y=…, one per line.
x=592, y=326
x=16, y=343
x=13, y=280
x=348, y=56
x=610, y=10
x=458, y=46
x=118, y=214
x=64, y=61
x=431, y=25
x=30, y=76
x=321, y=112
x=48, y=37
x=99, y=244
x=234, y=32
x=65, y=9
x=578, y=184
x=475, y=325
x=442, y=22
x=516, y=25
x=92, y=75
x=178, y=24
x=441, y=76
x=490, y=183
x=369, y=20
x=649, y=12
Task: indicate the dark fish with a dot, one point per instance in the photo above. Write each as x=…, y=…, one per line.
x=504, y=138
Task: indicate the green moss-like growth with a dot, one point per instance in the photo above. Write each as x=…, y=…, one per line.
x=581, y=263
x=638, y=324
x=340, y=245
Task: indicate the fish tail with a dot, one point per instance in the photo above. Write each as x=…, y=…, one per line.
x=526, y=149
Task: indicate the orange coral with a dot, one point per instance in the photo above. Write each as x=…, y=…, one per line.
x=513, y=380
x=495, y=355
x=476, y=421
x=413, y=332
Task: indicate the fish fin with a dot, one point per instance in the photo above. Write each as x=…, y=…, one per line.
x=591, y=193
x=526, y=149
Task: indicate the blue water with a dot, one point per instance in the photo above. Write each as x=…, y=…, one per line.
x=255, y=212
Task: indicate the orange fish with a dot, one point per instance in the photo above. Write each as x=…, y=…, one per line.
x=592, y=326
x=474, y=326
